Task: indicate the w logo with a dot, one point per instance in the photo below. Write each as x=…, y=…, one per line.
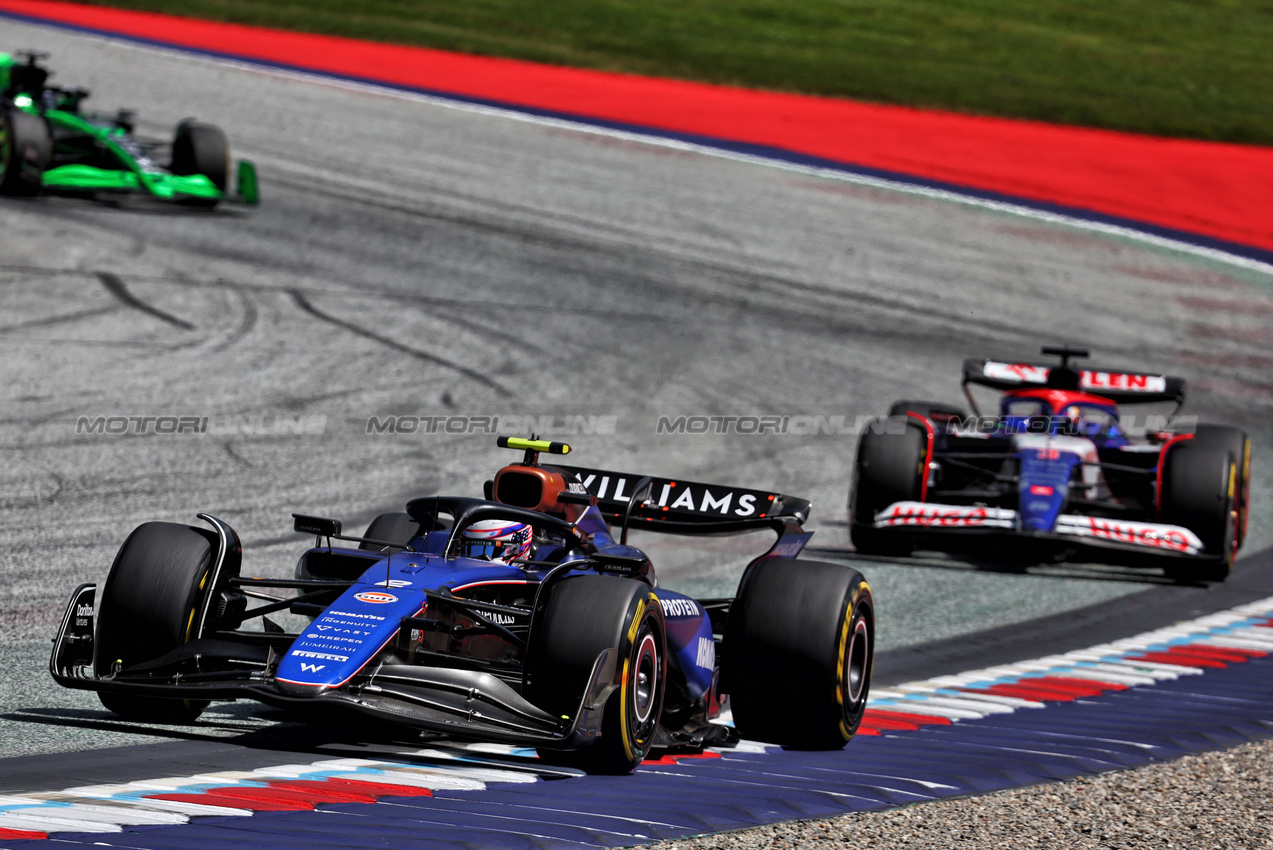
x=311, y=668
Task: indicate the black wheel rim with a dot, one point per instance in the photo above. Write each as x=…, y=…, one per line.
x=645, y=679
x=856, y=662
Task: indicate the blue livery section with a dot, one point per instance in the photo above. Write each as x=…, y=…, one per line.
x=354, y=628
x=689, y=640
x=366, y=617
x=1045, y=486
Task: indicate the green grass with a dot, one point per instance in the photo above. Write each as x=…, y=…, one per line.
x=1190, y=68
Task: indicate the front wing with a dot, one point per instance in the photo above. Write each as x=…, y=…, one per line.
x=462, y=703
x=1132, y=535
x=88, y=178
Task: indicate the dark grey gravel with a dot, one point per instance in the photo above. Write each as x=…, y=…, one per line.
x=1215, y=800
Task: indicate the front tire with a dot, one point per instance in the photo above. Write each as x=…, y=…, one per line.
x=149, y=608
x=1238, y=444
x=584, y=616
x=201, y=149
x=1200, y=493
x=799, y=649
x=889, y=468
x=25, y=150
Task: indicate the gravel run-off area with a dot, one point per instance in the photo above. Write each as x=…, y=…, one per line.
x=1221, y=799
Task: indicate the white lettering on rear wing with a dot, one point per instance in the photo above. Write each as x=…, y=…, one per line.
x=1124, y=381
x=1028, y=374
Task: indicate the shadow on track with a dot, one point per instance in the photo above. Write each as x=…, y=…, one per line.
x=1103, y=622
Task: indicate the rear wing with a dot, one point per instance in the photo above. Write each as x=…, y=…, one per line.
x=1120, y=387
x=679, y=505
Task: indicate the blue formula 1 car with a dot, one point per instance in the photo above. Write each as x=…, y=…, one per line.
x=524, y=617
x=1055, y=472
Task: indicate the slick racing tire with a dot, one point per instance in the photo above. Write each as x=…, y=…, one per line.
x=395, y=528
x=799, y=648
x=583, y=617
x=1200, y=493
x=149, y=608
x=1238, y=444
x=201, y=149
x=25, y=150
x=889, y=468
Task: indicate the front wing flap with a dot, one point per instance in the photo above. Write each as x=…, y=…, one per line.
x=462, y=703
x=1133, y=535
x=88, y=178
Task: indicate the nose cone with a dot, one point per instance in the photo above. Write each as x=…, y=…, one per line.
x=346, y=637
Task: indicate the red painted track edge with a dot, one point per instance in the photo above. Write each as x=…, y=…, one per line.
x=1204, y=194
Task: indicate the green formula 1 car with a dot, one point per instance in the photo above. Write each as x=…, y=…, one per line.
x=47, y=144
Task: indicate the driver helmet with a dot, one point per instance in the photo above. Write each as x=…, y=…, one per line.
x=1076, y=422
x=496, y=540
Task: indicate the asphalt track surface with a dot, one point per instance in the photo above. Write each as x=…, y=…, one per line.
x=416, y=259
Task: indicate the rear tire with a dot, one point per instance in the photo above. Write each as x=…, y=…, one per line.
x=201, y=149
x=395, y=528
x=25, y=150
x=889, y=468
x=584, y=616
x=1199, y=493
x=148, y=608
x=799, y=648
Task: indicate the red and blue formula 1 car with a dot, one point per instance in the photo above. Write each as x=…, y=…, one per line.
x=524, y=617
x=1054, y=472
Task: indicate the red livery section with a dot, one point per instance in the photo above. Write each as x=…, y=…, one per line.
x=1216, y=191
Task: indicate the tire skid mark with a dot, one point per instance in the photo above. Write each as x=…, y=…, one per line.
x=451, y=318
x=246, y=324
x=301, y=301
x=362, y=294
x=65, y=318
x=115, y=286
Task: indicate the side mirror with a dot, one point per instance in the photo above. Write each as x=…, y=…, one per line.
x=320, y=526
